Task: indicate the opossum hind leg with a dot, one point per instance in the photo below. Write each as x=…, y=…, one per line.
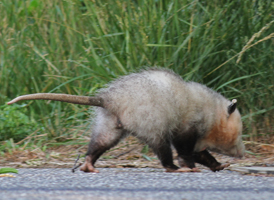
x=98, y=145
x=106, y=134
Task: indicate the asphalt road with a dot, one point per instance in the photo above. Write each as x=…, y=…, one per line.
x=134, y=184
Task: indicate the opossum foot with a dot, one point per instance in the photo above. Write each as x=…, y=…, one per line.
x=195, y=169
x=220, y=167
x=88, y=167
x=184, y=169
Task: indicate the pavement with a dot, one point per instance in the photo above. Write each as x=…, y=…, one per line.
x=254, y=170
x=134, y=184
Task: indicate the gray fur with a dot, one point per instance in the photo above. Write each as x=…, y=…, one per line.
x=155, y=102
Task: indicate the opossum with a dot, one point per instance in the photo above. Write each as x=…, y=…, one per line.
x=161, y=109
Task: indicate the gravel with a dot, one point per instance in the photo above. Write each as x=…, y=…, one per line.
x=133, y=183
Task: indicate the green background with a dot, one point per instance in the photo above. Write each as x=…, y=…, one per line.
x=76, y=47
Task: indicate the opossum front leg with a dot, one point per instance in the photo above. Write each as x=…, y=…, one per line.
x=206, y=159
x=184, y=144
x=164, y=153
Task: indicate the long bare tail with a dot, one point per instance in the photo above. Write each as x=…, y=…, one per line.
x=83, y=100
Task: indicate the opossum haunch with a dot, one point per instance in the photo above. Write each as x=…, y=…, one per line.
x=161, y=109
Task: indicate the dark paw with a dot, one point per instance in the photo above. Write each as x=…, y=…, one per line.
x=220, y=167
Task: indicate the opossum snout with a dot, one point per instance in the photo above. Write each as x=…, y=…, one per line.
x=241, y=152
x=238, y=151
x=240, y=156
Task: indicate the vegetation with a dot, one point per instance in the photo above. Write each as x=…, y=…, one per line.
x=77, y=46
x=8, y=170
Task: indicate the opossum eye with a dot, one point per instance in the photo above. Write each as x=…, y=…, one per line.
x=231, y=108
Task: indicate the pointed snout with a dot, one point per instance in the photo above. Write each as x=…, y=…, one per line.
x=240, y=150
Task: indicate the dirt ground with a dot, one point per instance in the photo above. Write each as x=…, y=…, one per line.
x=128, y=153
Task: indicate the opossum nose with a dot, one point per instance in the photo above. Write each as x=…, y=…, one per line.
x=240, y=154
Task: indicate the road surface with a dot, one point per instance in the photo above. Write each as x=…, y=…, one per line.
x=133, y=183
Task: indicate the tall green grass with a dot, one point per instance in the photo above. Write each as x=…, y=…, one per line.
x=77, y=46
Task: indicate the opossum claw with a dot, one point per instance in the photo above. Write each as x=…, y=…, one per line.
x=220, y=167
x=184, y=169
x=87, y=167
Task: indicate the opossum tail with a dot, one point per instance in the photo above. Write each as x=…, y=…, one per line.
x=83, y=100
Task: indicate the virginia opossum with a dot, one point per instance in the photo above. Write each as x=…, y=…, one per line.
x=161, y=109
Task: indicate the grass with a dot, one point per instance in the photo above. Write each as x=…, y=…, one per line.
x=76, y=47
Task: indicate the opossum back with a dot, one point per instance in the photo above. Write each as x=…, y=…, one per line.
x=145, y=102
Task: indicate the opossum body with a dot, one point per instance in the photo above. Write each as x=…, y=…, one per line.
x=162, y=110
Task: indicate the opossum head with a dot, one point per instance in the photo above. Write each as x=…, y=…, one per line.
x=226, y=134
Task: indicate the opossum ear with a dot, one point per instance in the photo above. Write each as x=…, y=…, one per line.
x=231, y=108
